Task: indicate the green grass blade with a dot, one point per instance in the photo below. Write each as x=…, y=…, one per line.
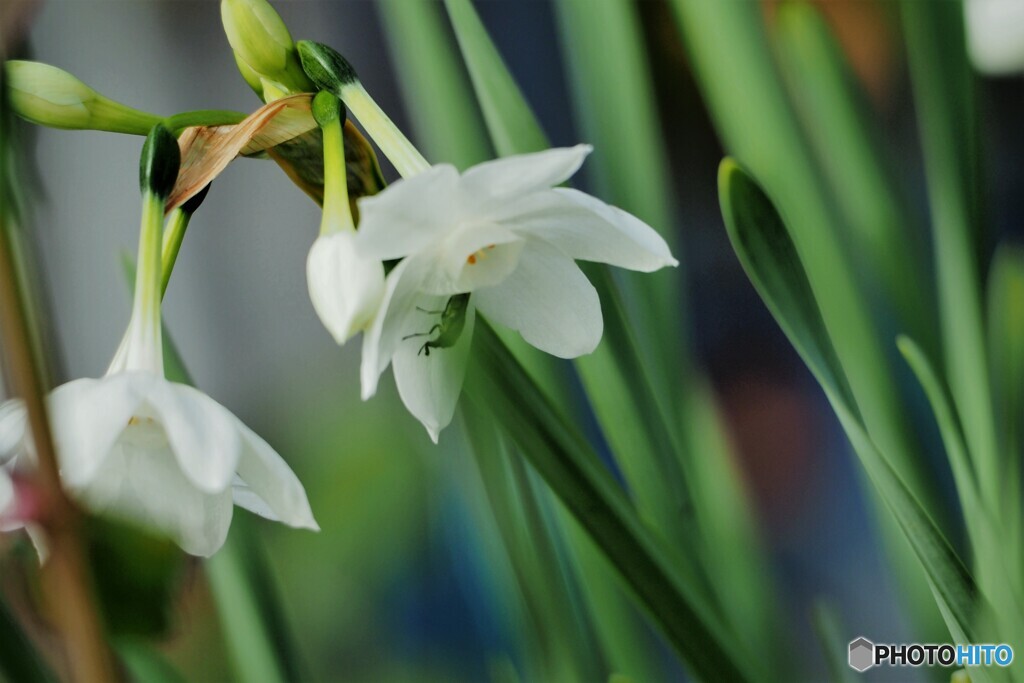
x=143, y=664
x=445, y=116
x=558, y=634
x=511, y=122
x=1006, y=342
x=635, y=427
x=574, y=472
x=944, y=99
x=770, y=260
x=19, y=660
x=847, y=145
x=758, y=125
x=833, y=639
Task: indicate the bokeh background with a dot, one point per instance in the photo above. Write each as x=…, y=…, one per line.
x=408, y=580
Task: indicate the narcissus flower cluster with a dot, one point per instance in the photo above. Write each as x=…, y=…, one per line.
x=411, y=267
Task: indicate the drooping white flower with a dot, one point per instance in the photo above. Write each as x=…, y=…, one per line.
x=162, y=454
x=344, y=286
x=505, y=233
x=995, y=35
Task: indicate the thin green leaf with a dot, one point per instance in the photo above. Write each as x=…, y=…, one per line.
x=944, y=99
x=847, y=145
x=512, y=124
x=574, y=472
x=770, y=260
x=446, y=118
x=758, y=125
x=832, y=638
x=19, y=660
x=145, y=665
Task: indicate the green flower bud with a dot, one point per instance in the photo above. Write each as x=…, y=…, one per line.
x=161, y=158
x=326, y=67
x=263, y=48
x=49, y=96
x=327, y=109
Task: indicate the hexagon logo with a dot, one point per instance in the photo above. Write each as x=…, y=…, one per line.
x=862, y=654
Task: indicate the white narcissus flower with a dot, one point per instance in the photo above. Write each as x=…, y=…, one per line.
x=162, y=454
x=995, y=35
x=503, y=232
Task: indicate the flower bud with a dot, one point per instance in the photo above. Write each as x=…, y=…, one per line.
x=49, y=96
x=326, y=67
x=263, y=48
x=345, y=287
x=161, y=158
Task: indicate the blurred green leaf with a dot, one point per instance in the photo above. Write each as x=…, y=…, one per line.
x=512, y=124
x=19, y=659
x=662, y=585
x=445, y=117
x=832, y=638
x=770, y=260
x=145, y=665
x=944, y=101
x=137, y=576
x=848, y=147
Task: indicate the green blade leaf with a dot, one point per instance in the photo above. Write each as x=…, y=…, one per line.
x=770, y=260
x=512, y=124
x=19, y=660
x=447, y=120
x=847, y=141
x=574, y=472
x=944, y=101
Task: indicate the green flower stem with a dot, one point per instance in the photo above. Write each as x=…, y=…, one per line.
x=337, y=213
x=406, y=159
x=576, y=475
x=144, y=349
x=202, y=117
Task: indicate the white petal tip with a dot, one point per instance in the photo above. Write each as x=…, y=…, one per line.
x=434, y=433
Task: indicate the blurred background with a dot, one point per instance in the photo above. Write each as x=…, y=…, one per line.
x=408, y=580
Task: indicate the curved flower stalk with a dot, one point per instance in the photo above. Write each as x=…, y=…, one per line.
x=500, y=238
x=163, y=454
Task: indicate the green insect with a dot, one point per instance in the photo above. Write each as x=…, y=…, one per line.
x=449, y=329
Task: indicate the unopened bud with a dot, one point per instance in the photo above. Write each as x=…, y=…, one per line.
x=263, y=48
x=49, y=96
x=326, y=67
x=158, y=167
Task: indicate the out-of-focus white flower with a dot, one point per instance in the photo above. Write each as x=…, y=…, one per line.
x=162, y=454
x=995, y=35
x=503, y=232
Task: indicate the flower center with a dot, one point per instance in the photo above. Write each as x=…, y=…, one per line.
x=479, y=254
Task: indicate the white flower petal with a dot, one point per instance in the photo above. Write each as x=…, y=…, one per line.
x=13, y=423
x=145, y=485
x=995, y=35
x=344, y=286
x=202, y=433
x=586, y=228
x=267, y=486
x=549, y=301
x=430, y=384
x=6, y=498
x=516, y=175
x=87, y=417
x=401, y=291
x=409, y=215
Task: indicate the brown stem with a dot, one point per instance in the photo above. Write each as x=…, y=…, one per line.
x=66, y=579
